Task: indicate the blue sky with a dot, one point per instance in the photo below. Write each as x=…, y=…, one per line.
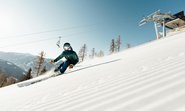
x=30, y=26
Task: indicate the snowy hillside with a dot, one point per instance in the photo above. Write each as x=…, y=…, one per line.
x=150, y=77
x=11, y=69
x=24, y=61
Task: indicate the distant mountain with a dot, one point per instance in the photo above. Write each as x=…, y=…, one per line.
x=10, y=69
x=24, y=61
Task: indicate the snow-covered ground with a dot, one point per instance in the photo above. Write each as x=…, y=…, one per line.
x=150, y=77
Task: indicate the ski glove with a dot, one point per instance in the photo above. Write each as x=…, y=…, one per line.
x=71, y=66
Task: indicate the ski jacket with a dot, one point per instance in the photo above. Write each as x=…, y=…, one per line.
x=70, y=55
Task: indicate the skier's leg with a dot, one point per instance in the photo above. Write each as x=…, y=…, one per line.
x=59, y=67
x=64, y=67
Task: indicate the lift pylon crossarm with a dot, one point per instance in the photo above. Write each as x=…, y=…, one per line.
x=158, y=18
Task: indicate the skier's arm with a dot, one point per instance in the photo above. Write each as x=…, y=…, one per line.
x=63, y=59
x=58, y=58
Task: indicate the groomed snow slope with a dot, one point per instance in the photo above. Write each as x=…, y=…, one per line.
x=150, y=77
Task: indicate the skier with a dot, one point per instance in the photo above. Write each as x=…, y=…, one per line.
x=68, y=57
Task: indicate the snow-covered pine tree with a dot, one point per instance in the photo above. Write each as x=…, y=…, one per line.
x=101, y=53
x=10, y=80
x=128, y=45
x=2, y=79
x=93, y=53
x=118, y=43
x=27, y=76
x=112, y=46
x=39, y=63
x=44, y=70
x=5, y=80
x=82, y=53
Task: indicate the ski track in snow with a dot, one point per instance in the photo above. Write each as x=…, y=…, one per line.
x=150, y=77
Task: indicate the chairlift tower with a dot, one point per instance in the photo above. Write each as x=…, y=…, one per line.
x=158, y=19
x=58, y=42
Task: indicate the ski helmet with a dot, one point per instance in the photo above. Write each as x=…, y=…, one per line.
x=67, y=46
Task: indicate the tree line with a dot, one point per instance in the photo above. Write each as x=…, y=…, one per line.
x=115, y=46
